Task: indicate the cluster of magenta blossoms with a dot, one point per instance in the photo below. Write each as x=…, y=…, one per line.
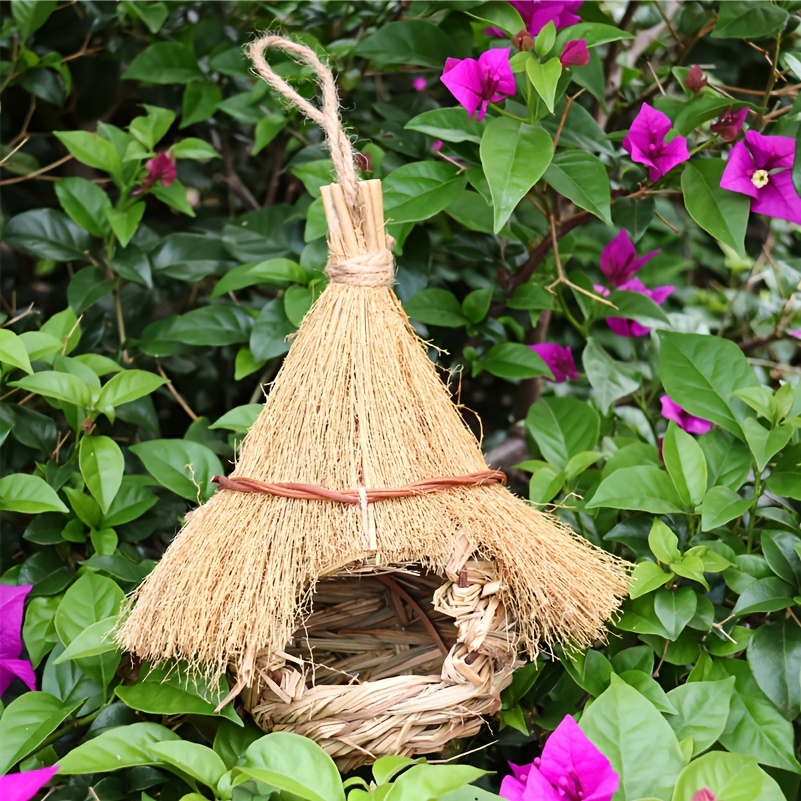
x=619, y=263
x=571, y=768
x=17, y=786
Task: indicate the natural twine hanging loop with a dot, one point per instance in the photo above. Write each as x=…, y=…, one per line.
x=359, y=251
x=327, y=117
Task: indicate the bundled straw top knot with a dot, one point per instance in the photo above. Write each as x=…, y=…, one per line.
x=359, y=253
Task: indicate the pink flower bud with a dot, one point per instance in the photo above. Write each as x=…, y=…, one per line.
x=419, y=84
x=575, y=54
x=704, y=794
x=695, y=80
x=161, y=170
x=729, y=124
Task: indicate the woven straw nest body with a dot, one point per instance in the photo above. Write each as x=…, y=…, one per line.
x=358, y=403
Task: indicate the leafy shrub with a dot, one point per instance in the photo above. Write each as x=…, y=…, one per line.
x=609, y=259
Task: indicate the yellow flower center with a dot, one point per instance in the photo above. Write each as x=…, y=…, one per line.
x=760, y=178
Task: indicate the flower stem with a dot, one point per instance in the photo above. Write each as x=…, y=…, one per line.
x=497, y=108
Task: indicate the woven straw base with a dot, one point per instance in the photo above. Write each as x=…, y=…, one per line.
x=375, y=670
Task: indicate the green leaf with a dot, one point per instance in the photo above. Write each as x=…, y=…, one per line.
x=175, y=196
x=582, y=179
x=13, y=351
x=58, y=386
x=408, y=42
x=87, y=287
x=729, y=777
x=610, y=380
x=128, y=386
x=38, y=631
x=636, y=739
x=774, y=654
x=476, y=305
x=163, y=693
x=780, y=549
x=648, y=687
x=273, y=272
x=91, y=150
x=420, y=190
x=702, y=709
x=512, y=360
x=785, y=477
x=426, y=782
x=240, y=418
x=562, y=428
x=151, y=128
x=29, y=495
x=448, y=124
x=223, y=324
x=47, y=234
x=164, y=63
x=701, y=372
x=196, y=149
x=85, y=203
x=647, y=577
x=30, y=15
x=544, y=78
x=268, y=338
x=500, y=14
x=153, y=14
x=132, y=264
x=117, y=748
x=720, y=505
x=765, y=443
x=200, y=101
x=721, y=213
x=514, y=155
x=591, y=670
x=125, y=223
x=267, y=128
x=645, y=488
x=196, y=760
x=436, y=307
x=748, y=19
x=686, y=464
x=764, y=595
x=26, y=722
x=755, y=727
x=675, y=609
x=291, y=762
x=102, y=465
x=182, y=466
x=595, y=33
x=98, y=638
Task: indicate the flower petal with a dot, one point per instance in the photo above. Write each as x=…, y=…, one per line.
x=738, y=171
x=673, y=153
x=496, y=72
x=778, y=198
x=20, y=669
x=617, y=259
x=464, y=83
x=12, y=603
x=24, y=786
x=770, y=152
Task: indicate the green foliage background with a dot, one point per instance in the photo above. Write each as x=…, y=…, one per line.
x=139, y=328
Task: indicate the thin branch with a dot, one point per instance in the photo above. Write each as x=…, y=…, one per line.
x=19, y=179
x=174, y=392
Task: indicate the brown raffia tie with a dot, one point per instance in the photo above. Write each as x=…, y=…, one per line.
x=313, y=492
x=370, y=269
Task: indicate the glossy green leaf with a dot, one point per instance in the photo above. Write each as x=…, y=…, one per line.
x=128, y=386
x=514, y=155
x=436, y=307
x=562, y=428
x=774, y=654
x=102, y=464
x=702, y=709
x=13, y=351
x=686, y=464
x=125, y=223
x=544, y=77
x=448, y=124
x=91, y=150
x=675, y=608
x=273, y=272
x=20, y=492
x=582, y=179
x=645, y=488
x=58, y=386
x=748, y=19
x=182, y=466
x=95, y=639
x=408, y=42
x=164, y=63
x=512, y=360
x=729, y=777
x=47, y=234
x=420, y=190
x=720, y=505
x=85, y=203
x=647, y=577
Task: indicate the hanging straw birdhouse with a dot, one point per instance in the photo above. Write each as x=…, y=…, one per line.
x=362, y=574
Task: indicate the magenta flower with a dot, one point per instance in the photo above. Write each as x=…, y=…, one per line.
x=619, y=259
x=762, y=167
x=624, y=327
x=575, y=54
x=704, y=794
x=493, y=31
x=161, y=170
x=571, y=768
x=645, y=143
x=12, y=602
x=796, y=333
x=419, y=84
x=729, y=124
x=436, y=145
x=24, y=786
x=536, y=14
x=559, y=360
x=689, y=422
x=475, y=83
x=695, y=80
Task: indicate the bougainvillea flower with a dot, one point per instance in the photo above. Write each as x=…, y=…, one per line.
x=161, y=170
x=645, y=143
x=571, y=768
x=623, y=326
x=12, y=602
x=474, y=83
x=559, y=360
x=689, y=422
x=704, y=794
x=695, y=80
x=729, y=124
x=796, y=334
x=762, y=167
x=419, y=84
x=493, y=31
x=536, y=14
x=24, y=786
x=619, y=259
x=575, y=54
